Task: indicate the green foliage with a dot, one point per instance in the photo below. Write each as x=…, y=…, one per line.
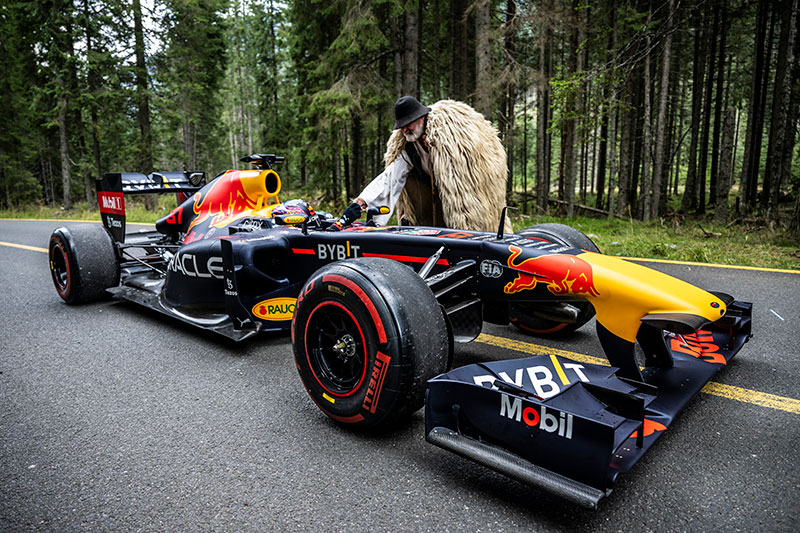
x=19, y=186
x=336, y=62
x=746, y=243
x=188, y=79
x=314, y=80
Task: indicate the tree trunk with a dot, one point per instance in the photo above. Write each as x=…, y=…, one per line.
x=524, y=156
x=568, y=148
x=437, y=52
x=93, y=82
x=780, y=126
x=709, y=86
x=355, y=167
x=794, y=223
x=543, y=136
x=458, y=49
x=583, y=61
x=603, y=144
x=509, y=95
x=719, y=104
x=411, y=51
x=612, y=157
x=628, y=123
x=612, y=137
x=274, y=54
x=647, y=135
x=231, y=137
x=752, y=145
x=763, y=107
x=689, y=202
x=794, y=111
x=143, y=100
x=725, y=168
x=680, y=137
x=396, y=43
x=335, y=179
x=66, y=173
x=661, y=127
x=483, y=46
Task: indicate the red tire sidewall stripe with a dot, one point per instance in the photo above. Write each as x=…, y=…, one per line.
x=59, y=244
x=376, y=319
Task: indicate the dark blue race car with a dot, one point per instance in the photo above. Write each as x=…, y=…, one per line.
x=374, y=312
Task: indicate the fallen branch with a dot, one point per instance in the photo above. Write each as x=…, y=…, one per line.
x=709, y=233
x=556, y=201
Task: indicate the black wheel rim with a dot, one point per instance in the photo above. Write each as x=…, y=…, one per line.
x=336, y=349
x=60, y=268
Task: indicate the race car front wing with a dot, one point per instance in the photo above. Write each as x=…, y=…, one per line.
x=571, y=428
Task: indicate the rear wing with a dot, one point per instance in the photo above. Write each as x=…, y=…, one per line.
x=111, y=191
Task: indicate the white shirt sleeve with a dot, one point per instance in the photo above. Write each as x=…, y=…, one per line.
x=385, y=189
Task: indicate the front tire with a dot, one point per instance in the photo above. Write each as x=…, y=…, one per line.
x=367, y=336
x=531, y=318
x=83, y=262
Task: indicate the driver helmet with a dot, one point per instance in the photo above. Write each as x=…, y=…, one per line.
x=293, y=206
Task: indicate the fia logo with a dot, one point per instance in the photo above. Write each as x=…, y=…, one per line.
x=491, y=268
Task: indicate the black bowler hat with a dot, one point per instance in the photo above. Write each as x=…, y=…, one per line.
x=408, y=109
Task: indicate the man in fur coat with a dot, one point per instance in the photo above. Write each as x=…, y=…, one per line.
x=445, y=167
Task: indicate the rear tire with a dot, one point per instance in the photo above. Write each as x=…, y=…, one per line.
x=524, y=315
x=368, y=334
x=83, y=262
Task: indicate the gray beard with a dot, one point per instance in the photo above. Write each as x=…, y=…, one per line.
x=415, y=135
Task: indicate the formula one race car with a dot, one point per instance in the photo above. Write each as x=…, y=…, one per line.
x=374, y=312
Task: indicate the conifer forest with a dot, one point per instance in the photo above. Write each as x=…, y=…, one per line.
x=628, y=108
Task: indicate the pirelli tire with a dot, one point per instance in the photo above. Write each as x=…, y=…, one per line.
x=83, y=262
x=368, y=334
x=523, y=315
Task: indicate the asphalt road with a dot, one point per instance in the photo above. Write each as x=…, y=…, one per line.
x=113, y=418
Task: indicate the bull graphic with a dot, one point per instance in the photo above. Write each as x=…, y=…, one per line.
x=225, y=201
x=562, y=273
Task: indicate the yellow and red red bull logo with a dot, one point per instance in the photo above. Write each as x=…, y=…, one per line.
x=234, y=195
x=275, y=309
x=562, y=273
x=225, y=201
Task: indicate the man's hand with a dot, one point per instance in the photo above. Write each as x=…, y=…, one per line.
x=350, y=215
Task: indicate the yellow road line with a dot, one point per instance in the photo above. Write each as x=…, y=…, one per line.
x=536, y=349
x=772, y=401
x=763, y=399
x=68, y=220
x=714, y=265
x=78, y=221
x=24, y=247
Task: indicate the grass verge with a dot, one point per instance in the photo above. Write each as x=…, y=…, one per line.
x=745, y=243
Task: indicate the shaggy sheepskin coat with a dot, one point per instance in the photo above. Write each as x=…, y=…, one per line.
x=468, y=163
